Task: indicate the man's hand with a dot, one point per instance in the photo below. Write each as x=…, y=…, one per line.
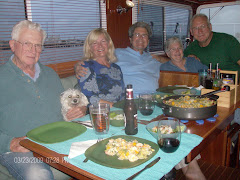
x=160, y=58
x=79, y=70
x=16, y=147
x=76, y=112
x=191, y=55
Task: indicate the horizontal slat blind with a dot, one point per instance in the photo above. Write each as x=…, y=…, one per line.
x=67, y=23
x=146, y=14
x=177, y=22
x=166, y=20
x=11, y=11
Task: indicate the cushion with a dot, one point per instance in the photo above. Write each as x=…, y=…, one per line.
x=69, y=82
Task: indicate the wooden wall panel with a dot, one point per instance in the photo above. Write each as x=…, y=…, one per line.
x=178, y=78
x=118, y=24
x=64, y=69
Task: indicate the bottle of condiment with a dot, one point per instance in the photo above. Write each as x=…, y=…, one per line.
x=209, y=79
x=227, y=79
x=217, y=81
x=130, y=111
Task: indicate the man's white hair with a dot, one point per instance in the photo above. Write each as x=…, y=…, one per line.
x=27, y=24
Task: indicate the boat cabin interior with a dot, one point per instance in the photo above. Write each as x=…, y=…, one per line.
x=67, y=23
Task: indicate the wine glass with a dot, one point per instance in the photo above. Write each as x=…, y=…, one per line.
x=169, y=134
x=146, y=104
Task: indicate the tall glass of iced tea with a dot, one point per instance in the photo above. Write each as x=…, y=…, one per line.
x=99, y=114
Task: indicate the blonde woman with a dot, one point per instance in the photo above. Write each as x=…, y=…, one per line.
x=104, y=80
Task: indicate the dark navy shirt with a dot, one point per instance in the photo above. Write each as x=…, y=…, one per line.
x=102, y=82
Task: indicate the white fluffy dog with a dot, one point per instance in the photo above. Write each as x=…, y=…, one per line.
x=72, y=98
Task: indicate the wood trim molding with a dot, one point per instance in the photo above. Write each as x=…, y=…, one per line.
x=64, y=69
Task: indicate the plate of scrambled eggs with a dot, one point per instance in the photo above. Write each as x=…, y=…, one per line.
x=122, y=151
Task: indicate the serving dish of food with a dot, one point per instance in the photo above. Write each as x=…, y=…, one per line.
x=160, y=96
x=190, y=102
x=193, y=112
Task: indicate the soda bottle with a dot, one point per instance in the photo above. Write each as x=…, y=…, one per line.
x=130, y=111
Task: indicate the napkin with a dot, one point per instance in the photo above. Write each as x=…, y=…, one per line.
x=78, y=148
x=199, y=88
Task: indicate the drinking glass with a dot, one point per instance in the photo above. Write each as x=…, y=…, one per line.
x=169, y=134
x=99, y=114
x=202, y=77
x=146, y=104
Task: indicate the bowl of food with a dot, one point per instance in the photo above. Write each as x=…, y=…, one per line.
x=117, y=118
x=153, y=128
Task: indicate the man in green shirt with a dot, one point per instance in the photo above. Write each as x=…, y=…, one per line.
x=213, y=47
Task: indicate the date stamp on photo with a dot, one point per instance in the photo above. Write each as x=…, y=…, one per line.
x=37, y=160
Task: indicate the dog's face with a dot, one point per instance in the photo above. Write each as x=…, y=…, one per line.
x=71, y=98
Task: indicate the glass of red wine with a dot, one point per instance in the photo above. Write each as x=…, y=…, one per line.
x=146, y=104
x=169, y=134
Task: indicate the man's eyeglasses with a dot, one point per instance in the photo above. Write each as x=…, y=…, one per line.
x=28, y=46
x=137, y=35
x=202, y=27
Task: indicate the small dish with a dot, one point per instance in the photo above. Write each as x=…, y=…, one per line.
x=117, y=118
x=155, y=123
x=185, y=91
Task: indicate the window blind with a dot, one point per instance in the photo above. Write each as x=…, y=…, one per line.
x=67, y=23
x=11, y=12
x=166, y=20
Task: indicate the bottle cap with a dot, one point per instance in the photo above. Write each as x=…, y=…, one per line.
x=129, y=86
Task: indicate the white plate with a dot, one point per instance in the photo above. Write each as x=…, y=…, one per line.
x=155, y=123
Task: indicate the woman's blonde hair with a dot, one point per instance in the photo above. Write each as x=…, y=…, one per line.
x=92, y=37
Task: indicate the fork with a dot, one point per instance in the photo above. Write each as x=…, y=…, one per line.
x=86, y=159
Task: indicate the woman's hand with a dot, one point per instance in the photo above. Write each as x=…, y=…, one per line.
x=16, y=147
x=79, y=70
x=160, y=58
x=108, y=102
x=76, y=112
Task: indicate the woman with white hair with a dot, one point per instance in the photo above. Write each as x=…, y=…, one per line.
x=103, y=82
x=174, y=50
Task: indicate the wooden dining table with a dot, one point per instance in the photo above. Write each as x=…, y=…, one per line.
x=212, y=148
